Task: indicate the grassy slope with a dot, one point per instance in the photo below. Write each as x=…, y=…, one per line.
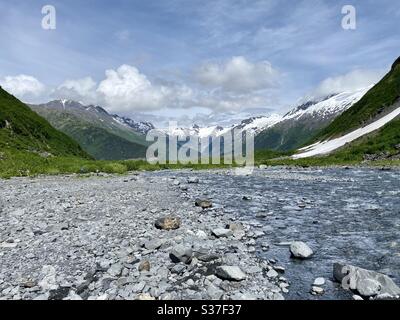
x=379, y=99
x=284, y=139
x=61, y=120
x=99, y=142
x=385, y=140
x=23, y=130
x=105, y=146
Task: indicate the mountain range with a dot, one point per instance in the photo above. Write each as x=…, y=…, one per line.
x=287, y=132
x=102, y=135
x=309, y=126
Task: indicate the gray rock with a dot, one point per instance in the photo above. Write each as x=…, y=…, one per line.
x=301, y=250
x=386, y=296
x=193, y=180
x=214, y=292
x=368, y=287
x=181, y=253
x=272, y=274
x=354, y=278
x=208, y=257
x=203, y=203
x=279, y=269
x=154, y=244
x=49, y=279
x=115, y=270
x=317, y=290
x=201, y=234
x=178, y=269
x=277, y=296
x=231, y=273
x=221, y=232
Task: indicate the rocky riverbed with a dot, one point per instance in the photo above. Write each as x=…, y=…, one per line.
x=196, y=235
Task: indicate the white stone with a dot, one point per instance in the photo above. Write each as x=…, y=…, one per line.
x=301, y=250
x=317, y=290
x=319, y=281
x=222, y=233
x=230, y=273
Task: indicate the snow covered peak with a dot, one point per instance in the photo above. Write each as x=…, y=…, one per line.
x=329, y=106
x=142, y=127
x=195, y=130
x=257, y=124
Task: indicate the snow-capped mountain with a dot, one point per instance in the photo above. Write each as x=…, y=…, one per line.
x=274, y=131
x=256, y=125
x=328, y=106
x=98, y=114
x=140, y=126
x=303, y=122
x=253, y=125
x=195, y=130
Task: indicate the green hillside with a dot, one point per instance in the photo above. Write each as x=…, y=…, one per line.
x=103, y=145
x=382, y=144
x=285, y=138
x=376, y=102
x=97, y=133
x=22, y=130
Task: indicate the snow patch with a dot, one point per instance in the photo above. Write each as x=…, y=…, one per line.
x=325, y=147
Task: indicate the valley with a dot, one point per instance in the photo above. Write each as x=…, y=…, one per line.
x=193, y=153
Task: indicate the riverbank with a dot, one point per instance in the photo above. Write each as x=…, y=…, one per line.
x=96, y=238
x=99, y=237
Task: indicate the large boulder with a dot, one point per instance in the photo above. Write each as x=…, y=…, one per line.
x=367, y=283
x=300, y=250
x=230, y=273
x=203, y=203
x=168, y=223
x=181, y=253
x=222, y=232
x=154, y=244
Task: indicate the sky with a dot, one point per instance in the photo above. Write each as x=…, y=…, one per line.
x=194, y=61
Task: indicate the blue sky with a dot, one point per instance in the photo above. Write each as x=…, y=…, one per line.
x=184, y=58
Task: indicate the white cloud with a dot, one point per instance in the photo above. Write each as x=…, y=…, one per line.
x=238, y=75
x=80, y=89
x=351, y=81
x=126, y=88
x=23, y=86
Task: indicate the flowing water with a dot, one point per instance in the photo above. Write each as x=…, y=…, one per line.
x=352, y=216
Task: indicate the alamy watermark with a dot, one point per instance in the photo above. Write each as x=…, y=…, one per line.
x=233, y=147
x=49, y=21
x=349, y=21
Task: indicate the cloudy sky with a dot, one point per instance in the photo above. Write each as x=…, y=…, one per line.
x=194, y=60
